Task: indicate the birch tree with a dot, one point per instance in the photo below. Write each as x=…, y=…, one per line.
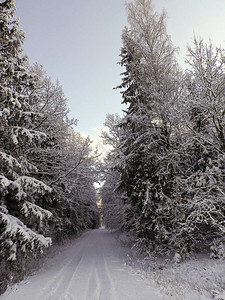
x=204, y=140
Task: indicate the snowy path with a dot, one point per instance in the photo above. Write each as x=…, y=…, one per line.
x=90, y=268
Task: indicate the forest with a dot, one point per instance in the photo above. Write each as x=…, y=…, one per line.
x=162, y=181
x=165, y=175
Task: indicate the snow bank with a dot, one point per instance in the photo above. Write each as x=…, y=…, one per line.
x=198, y=278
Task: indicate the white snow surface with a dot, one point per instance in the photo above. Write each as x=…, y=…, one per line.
x=91, y=267
x=196, y=278
x=98, y=266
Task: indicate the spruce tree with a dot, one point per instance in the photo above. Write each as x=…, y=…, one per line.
x=146, y=156
x=23, y=223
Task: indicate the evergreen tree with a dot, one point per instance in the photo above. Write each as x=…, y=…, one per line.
x=23, y=223
x=146, y=162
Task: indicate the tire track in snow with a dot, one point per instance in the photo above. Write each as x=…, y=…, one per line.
x=100, y=275
x=66, y=295
x=86, y=268
x=75, y=276
x=51, y=288
x=110, y=280
x=63, y=283
x=92, y=286
x=51, y=285
x=94, y=280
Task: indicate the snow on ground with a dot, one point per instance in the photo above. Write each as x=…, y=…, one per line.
x=92, y=267
x=198, y=278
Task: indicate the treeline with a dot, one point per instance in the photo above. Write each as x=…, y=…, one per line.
x=47, y=170
x=165, y=179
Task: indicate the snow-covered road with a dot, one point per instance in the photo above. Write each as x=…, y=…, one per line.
x=90, y=268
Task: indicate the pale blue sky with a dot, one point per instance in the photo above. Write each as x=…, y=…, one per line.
x=78, y=42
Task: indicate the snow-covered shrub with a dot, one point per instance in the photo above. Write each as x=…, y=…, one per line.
x=217, y=248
